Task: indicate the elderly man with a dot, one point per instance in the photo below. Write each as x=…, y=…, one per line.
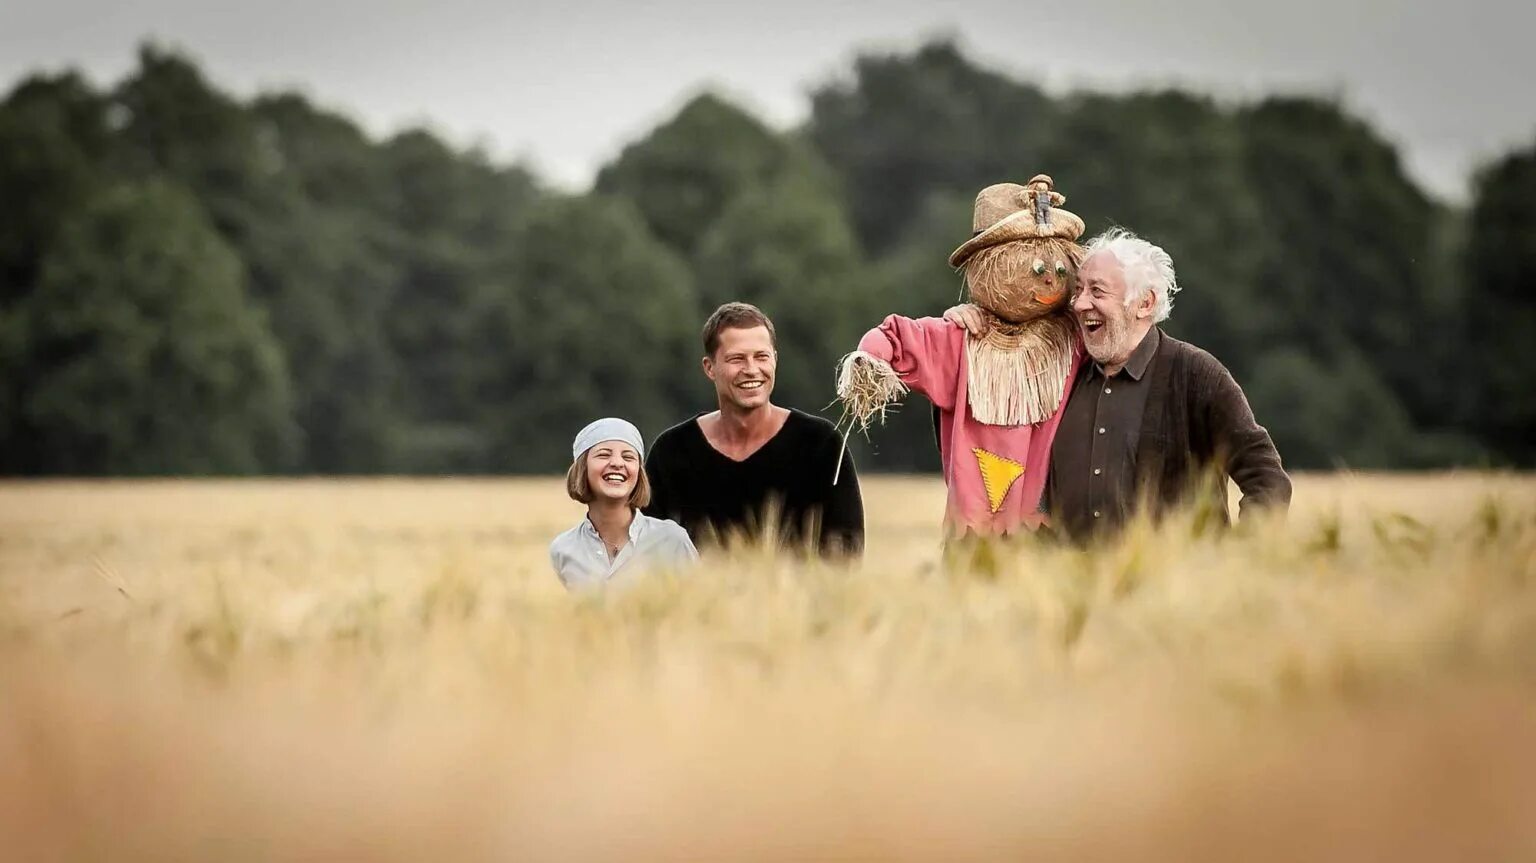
x=1152, y=418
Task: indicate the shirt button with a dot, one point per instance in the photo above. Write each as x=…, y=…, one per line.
x=1097, y=471
x=1101, y=429
x=1107, y=391
x=1096, y=513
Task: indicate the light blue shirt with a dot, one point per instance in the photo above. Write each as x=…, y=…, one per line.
x=582, y=562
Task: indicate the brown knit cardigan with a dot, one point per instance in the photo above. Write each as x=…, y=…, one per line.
x=1196, y=431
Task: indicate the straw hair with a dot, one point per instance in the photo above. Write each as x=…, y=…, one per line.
x=866, y=385
x=1000, y=280
x=1017, y=375
x=580, y=489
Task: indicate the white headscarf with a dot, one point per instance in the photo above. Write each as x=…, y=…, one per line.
x=607, y=428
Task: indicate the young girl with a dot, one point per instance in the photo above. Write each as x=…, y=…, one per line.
x=608, y=475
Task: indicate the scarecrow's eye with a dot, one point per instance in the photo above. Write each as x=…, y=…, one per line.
x=1039, y=267
x=1061, y=268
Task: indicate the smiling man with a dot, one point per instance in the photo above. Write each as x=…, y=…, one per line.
x=1151, y=418
x=752, y=468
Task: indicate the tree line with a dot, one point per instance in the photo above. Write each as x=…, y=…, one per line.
x=192, y=283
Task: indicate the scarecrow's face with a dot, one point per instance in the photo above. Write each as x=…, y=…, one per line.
x=1022, y=280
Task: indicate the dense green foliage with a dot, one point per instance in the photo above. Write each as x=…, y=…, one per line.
x=1499, y=339
x=193, y=283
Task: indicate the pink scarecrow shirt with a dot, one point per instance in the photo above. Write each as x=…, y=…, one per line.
x=995, y=474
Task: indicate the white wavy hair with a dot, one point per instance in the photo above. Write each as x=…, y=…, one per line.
x=1147, y=268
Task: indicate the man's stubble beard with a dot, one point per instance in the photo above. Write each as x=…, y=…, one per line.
x=1116, y=336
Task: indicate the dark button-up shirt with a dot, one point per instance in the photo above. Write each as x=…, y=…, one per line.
x=1092, y=487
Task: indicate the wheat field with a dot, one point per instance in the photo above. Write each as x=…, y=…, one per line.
x=386, y=670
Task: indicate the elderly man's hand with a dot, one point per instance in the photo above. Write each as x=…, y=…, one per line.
x=969, y=316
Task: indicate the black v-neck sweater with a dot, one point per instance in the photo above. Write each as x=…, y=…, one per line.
x=784, y=490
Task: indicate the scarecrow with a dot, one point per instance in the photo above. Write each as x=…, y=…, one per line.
x=998, y=396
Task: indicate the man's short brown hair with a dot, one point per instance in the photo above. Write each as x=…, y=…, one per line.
x=580, y=490
x=735, y=316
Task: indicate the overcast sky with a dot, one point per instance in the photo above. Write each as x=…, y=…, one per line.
x=564, y=85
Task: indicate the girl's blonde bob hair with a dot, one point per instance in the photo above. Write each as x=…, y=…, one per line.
x=580, y=490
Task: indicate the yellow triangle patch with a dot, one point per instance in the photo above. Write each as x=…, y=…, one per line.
x=998, y=474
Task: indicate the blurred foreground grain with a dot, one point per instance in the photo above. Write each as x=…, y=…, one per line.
x=387, y=670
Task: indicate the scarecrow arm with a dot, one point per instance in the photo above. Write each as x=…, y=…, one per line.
x=900, y=355
x=926, y=354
